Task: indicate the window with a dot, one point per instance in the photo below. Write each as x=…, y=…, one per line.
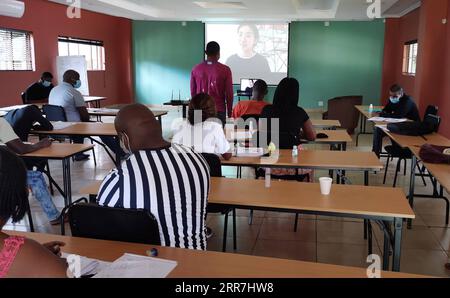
x=16, y=50
x=91, y=49
x=410, y=57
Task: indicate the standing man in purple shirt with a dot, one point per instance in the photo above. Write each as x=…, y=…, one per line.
x=214, y=78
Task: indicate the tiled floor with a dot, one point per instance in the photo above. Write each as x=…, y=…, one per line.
x=319, y=239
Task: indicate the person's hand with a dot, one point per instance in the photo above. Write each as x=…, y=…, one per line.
x=54, y=247
x=45, y=143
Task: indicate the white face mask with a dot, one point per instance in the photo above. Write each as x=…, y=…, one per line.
x=125, y=145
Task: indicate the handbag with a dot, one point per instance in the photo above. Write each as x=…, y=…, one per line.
x=434, y=154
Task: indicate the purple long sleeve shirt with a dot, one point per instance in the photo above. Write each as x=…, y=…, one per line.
x=214, y=78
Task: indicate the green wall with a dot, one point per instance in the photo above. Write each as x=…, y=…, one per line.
x=164, y=54
x=344, y=58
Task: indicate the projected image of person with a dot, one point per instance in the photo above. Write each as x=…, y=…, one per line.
x=247, y=62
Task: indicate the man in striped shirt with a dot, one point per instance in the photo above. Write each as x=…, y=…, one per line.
x=170, y=181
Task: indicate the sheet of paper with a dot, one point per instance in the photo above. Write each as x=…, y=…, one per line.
x=84, y=266
x=387, y=120
x=135, y=266
x=249, y=152
x=61, y=125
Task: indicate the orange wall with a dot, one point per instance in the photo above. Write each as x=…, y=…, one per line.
x=398, y=31
x=47, y=21
x=444, y=102
x=431, y=85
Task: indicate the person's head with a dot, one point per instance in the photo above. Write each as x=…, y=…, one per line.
x=395, y=93
x=13, y=187
x=213, y=50
x=248, y=35
x=204, y=104
x=72, y=77
x=259, y=90
x=46, y=79
x=138, y=129
x=287, y=94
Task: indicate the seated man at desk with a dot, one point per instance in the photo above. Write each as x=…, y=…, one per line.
x=35, y=179
x=255, y=105
x=170, y=181
x=400, y=106
x=67, y=96
x=39, y=92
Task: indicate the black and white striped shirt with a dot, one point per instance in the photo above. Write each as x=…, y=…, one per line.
x=173, y=184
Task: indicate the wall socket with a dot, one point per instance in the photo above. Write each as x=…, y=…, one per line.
x=320, y=103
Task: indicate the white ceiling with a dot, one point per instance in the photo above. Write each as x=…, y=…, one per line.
x=248, y=10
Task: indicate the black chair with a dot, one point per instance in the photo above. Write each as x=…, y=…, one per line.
x=403, y=154
x=89, y=220
x=57, y=113
x=215, y=169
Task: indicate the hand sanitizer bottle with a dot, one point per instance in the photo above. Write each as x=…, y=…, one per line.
x=371, y=108
x=294, y=151
x=267, y=180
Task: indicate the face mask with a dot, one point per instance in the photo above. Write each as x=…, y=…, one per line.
x=46, y=83
x=77, y=84
x=394, y=100
x=124, y=146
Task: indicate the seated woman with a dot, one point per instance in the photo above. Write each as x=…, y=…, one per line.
x=294, y=124
x=202, y=130
x=20, y=257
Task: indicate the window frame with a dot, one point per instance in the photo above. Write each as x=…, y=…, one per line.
x=410, y=54
x=99, y=53
x=32, y=50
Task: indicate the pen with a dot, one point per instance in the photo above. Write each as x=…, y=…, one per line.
x=424, y=138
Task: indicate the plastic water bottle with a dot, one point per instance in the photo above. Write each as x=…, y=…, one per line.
x=267, y=180
x=294, y=151
x=371, y=108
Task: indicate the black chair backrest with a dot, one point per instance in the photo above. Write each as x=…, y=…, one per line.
x=215, y=166
x=117, y=224
x=54, y=113
x=433, y=121
x=431, y=110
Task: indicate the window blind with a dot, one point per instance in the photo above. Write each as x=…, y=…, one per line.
x=16, y=50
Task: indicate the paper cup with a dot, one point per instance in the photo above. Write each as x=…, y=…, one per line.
x=325, y=185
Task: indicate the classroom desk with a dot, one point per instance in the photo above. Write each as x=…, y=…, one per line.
x=314, y=159
x=86, y=129
x=108, y=112
x=63, y=152
x=325, y=124
x=217, y=264
x=364, y=115
x=381, y=204
x=95, y=100
x=336, y=138
x=183, y=103
x=414, y=143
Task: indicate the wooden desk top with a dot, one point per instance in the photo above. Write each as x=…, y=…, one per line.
x=314, y=159
x=365, y=111
x=59, y=151
x=93, y=98
x=113, y=112
x=411, y=141
x=319, y=123
x=83, y=129
x=292, y=195
x=334, y=136
x=215, y=264
x=439, y=171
